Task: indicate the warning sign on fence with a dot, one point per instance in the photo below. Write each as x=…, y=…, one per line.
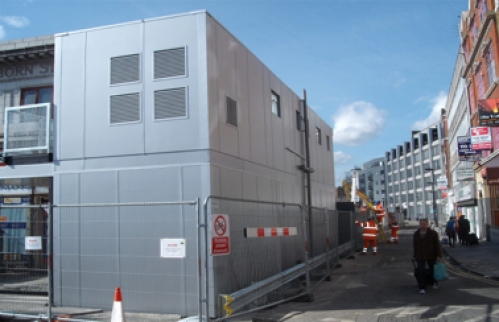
x=220, y=237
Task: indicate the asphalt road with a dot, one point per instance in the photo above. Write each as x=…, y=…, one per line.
x=383, y=288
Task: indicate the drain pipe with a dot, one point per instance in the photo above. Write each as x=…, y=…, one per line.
x=307, y=169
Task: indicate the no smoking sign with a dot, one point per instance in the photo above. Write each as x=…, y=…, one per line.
x=220, y=237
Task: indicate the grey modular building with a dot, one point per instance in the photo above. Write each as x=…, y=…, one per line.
x=159, y=110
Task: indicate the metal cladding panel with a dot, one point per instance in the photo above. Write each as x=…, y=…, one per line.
x=164, y=134
x=227, y=87
x=277, y=134
x=69, y=96
x=241, y=70
x=254, y=259
x=256, y=113
x=211, y=59
x=101, y=247
x=150, y=185
x=102, y=138
x=99, y=187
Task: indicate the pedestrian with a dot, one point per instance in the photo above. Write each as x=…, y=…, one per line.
x=464, y=229
x=450, y=231
x=426, y=251
x=369, y=233
x=394, y=227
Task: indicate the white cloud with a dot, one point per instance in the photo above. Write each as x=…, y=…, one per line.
x=15, y=21
x=341, y=157
x=358, y=123
x=438, y=103
x=2, y=32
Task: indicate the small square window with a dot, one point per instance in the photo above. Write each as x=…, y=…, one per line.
x=276, y=104
x=231, y=112
x=319, y=136
x=298, y=121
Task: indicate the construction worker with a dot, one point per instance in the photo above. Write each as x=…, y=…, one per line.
x=380, y=212
x=394, y=227
x=369, y=233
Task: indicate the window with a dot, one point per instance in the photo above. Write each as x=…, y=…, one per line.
x=479, y=81
x=36, y=95
x=319, y=136
x=276, y=104
x=328, y=143
x=231, y=112
x=491, y=68
x=482, y=9
x=298, y=121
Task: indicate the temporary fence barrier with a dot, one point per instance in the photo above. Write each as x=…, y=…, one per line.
x=151, y=250
x=25, y=243
x=229, y=258
x=266, y=264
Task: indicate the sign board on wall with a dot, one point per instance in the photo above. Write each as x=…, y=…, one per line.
x=488, y=112
x=442, y=183
x=220, y=235
x=466, y=153
x=481, y=138
x=465, y=174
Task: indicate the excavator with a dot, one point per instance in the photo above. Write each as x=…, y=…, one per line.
x=348, y=192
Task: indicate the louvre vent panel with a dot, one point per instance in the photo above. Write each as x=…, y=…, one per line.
x=170, y=103
x=125, y=69
x=125, y=108
x=169, y=63
x=231, y=112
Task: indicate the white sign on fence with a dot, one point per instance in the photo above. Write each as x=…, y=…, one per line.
x=172, y=248
x=33, y=243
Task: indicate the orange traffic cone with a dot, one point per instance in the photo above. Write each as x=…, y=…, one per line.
x=118, y=314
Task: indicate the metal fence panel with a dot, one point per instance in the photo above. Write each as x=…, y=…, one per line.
x=253, y=259
x=24, y=255
x=136, y=247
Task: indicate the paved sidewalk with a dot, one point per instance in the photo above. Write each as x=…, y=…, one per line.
x=481, y=259
x=478, y=259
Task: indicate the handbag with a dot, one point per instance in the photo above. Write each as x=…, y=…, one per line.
x=440, y=272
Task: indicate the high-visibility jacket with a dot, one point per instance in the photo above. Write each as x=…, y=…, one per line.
x=370, y=229
x=380, y=213
x=394, y=227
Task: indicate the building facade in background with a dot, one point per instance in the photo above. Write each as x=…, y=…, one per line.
x=371, y=179
x=412, y=170
x=480, y=47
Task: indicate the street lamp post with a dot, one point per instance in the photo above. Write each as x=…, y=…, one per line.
x=435, y=216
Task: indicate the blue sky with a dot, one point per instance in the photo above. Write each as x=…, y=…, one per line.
x=373, y=69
